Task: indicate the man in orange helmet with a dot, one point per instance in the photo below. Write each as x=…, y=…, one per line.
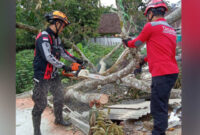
x=48, y=50
x=160, y=39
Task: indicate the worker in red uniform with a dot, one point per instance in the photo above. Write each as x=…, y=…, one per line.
x=160, y=39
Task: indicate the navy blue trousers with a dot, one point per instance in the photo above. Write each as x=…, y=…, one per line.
x=160, y=93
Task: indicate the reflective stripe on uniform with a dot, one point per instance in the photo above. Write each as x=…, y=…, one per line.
x=160, y=23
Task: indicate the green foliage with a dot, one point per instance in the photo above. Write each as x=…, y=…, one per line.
x=95, y=52
x=133, y=14
x=24, y=63
x=24, y=71
x=84, y=22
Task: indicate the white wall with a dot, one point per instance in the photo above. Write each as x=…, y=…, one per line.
x=107, y=41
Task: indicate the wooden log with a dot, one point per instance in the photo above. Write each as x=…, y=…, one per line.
x=131, y=81
x=87, y=97
x=89, y=84
x=174, y=16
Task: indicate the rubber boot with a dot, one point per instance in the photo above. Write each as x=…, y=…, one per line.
x=62, y=123
x=36, y=125
x=59, y=118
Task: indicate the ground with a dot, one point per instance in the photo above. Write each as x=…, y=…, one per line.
x=24, y=105
x=24, y=120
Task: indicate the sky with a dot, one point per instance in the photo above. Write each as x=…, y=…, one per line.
x=112, y=2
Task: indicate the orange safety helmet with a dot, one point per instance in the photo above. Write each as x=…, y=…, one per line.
x=155, y=4
x=57, y=15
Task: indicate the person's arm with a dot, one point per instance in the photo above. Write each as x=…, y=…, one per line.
x=138, y=69
x=66, y=55
x=45, y=49
x=142, y=38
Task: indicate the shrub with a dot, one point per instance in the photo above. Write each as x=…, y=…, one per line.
x=24, y=70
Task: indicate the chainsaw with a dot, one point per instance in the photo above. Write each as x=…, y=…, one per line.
x=81, y=72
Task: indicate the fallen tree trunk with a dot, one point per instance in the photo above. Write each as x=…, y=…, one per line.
x=174, y=16
x=88, y=84
x=102, y=61
x=87, y=97
x=131, y=81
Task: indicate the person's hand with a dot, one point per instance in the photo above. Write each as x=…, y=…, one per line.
x=142, y=62
x=66, y=68
x=138, y=71
x=125, y=41
x=79, y=61
x=75, y=66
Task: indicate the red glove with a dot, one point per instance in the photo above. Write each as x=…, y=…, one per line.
x=75, y=66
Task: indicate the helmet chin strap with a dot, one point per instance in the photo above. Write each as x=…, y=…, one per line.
x=150, y=19
x=58, y=29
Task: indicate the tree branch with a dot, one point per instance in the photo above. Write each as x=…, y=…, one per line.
x=102, y=61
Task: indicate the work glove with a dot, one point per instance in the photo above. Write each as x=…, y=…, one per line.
x=79, y=61
x=66, y=68
x=142, y=62
x=138, y=69
x=125, y=41
x=75, y=66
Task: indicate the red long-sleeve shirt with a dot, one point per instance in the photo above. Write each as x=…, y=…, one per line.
x=160, y=39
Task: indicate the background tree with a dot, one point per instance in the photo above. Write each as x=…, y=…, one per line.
x=84, y=22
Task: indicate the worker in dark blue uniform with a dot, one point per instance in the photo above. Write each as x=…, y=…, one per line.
x=48, y=50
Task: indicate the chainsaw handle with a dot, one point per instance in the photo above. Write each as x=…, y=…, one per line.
x=75, y=74
x=79, y=69
x=67, y=74
x=71, y=74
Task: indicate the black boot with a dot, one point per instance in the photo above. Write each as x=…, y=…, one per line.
x=62, y=122
x=36, y=124
x=58, y=108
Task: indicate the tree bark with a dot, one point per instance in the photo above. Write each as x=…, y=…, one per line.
x=131, y=81
x=102, y=61
x=87, y=97
x=92, y=84
x=174, y=16
x=121, y=62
